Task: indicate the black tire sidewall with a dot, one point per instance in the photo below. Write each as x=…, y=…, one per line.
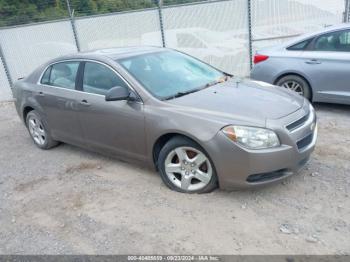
x=299, y=80
x=179, y=142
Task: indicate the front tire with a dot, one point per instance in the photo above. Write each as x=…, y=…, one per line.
x=185, y=167
x=38, y=131
x=297, y=84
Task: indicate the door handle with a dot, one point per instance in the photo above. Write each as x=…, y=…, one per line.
x=313, y=62
x=41, y=94
x=84, y=102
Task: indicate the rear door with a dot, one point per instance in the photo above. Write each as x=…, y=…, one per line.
x=327, y=65
x=114, y=127
x=58, y=98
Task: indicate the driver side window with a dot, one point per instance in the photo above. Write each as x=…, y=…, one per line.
x=98, y=79
x=336, y=41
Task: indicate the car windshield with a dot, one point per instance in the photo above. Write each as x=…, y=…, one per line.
x=170, y=74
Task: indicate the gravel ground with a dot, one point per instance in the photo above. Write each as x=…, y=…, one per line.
x=70, y=201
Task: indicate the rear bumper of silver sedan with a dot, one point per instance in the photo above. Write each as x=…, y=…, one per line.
x=238, y=167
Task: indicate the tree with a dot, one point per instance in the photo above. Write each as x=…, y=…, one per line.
x=14, y=12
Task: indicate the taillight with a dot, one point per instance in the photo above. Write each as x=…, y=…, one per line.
x=259, y=58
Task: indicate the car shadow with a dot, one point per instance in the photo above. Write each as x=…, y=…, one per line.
x=88, y=154
x=331, y=107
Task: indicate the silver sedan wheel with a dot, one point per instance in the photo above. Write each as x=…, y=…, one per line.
x=37, y=130
x=294, y=86
x=188, y=168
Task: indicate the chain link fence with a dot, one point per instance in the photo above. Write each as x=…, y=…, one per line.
x=223, y=33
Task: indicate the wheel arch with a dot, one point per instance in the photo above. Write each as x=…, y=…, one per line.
x=29, y=104
x=25, y=111
x=295, y=74
x=164, y=138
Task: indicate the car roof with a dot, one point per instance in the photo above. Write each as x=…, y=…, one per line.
x=112, y=53
x=322, y=31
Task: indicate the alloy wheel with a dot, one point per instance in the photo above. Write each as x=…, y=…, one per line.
x=188, y=168
x=294, y=86
x=36, y=130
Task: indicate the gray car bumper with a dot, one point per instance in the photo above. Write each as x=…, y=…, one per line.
x=238, y=167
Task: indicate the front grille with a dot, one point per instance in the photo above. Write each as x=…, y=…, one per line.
x=294, y=125
x=266, y=176
x=302, y=143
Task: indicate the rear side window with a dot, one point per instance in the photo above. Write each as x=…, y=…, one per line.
x=300, y=46
x=46, y=76
x=61, y=75
x=98, y=79
x=336, y=41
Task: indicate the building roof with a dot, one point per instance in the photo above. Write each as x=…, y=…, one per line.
x=120, y=52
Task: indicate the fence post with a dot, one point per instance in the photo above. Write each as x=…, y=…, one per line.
x=347, y=11
x=7, y=71
x=160, y=5
x=250, y=38
x=72, y=21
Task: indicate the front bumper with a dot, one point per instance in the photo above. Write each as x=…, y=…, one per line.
x=239, y=167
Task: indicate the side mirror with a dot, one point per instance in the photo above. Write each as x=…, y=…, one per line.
x=117, y=93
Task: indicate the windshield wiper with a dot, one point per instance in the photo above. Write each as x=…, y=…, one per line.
x=212, y=83
x=179, y=94
x=219, y=81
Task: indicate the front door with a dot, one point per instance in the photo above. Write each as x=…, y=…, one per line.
x=114, y=127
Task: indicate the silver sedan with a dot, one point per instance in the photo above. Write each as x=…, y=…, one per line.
x=316, y=65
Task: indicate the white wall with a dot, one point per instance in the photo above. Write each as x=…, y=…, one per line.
x=27, y=47
x=124, y=29
x=273, y=18
x=214, y=32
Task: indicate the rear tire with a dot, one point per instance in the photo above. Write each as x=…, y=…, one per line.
x=185, y=167
x=39, y=131
x=296, y=84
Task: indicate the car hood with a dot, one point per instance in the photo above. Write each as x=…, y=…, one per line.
x=250, y=102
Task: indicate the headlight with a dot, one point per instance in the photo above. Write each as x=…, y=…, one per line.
x=252, y=137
